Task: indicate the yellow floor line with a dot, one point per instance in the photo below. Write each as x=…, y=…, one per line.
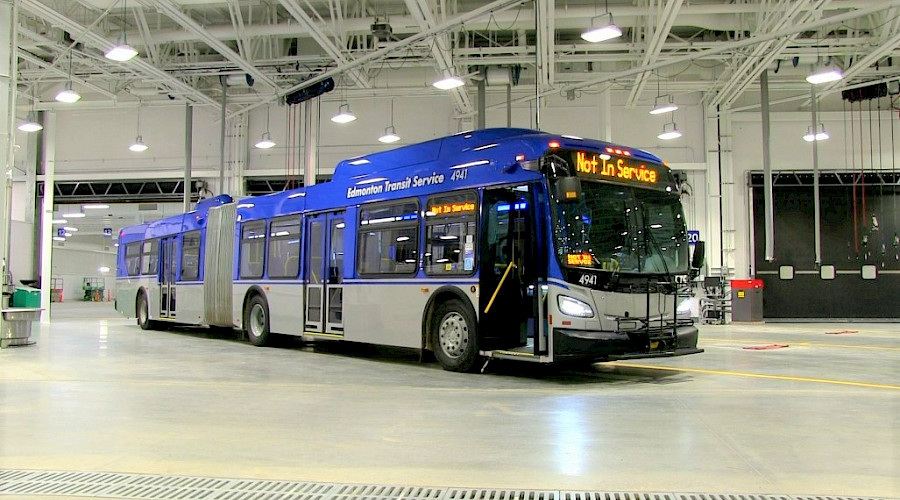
x=758, y=375
x=808, y=344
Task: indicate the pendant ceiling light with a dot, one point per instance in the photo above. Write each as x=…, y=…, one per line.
x=266, y=141
x=138, y=146
x=390, y=134
x=602, y=28
x=121, y=51
x=67, y=95
x=344, y=114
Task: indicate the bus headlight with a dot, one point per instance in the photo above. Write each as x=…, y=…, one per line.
x=574, y=307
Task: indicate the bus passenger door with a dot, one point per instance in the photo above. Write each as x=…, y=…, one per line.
x=325, y=274
x=168, y=258
x=509, y=270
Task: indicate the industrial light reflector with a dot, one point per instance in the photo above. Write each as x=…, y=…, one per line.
x=601, y=31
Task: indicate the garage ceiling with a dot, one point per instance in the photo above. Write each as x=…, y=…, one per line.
x=189, y=47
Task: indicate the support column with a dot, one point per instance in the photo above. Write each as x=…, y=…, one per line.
x=606, y=115
x=222, y=136
x=767, y=167
x=815, y=147
x=48, y=159
x=482, y=98
x=8, y=118
x=311, y=141
x=188, y=154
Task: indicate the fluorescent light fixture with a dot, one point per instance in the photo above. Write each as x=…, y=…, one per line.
x=67, y=234
x=73, y=215
x=95, y=206
x=59, y=221
x=58, y=238
x=67, y=95
x=819, y=135
x=266, y=142
x=389, y=136
x=121, y=52
x=825, y=75
x=663, y=106
x=70, y=229
x=602, y=31
x=669, y=132
x=30, y=124
x=451, y=82
x=103, y=269
x=344, y=114
x=138, y=145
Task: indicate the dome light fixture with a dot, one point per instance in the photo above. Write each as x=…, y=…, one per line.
x=450, y=82
x=344, y=114
x=390, y=134
x=670, y=131
x=138, y=146
x=602, y=28
x=818, y=135
x=266, y=141
x=30, y=124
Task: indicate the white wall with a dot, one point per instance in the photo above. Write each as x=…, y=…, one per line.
x=73, y=264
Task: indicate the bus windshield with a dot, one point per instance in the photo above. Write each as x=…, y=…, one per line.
x=622, y=229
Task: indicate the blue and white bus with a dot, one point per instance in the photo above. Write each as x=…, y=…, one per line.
x=497, y=243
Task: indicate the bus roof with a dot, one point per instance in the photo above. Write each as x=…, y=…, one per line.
x=174, y=224
x=489, y=151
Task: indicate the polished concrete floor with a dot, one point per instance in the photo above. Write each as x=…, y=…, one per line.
x=820, y=417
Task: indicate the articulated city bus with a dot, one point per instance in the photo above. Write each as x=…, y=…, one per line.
x=497, y=243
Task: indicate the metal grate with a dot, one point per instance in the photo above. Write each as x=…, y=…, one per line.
x=158, y=487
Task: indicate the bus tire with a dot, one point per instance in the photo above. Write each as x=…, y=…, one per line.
x=142, y=311
x=454, y=336
x=256, y=321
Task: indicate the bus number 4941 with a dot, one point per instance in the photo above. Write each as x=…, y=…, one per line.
x=588, y=279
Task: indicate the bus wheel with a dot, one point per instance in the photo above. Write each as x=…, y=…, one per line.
x=256, y=321
x=142, y=311
x=454, y=336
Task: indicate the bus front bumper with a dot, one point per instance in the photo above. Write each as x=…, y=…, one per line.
x=608, y=345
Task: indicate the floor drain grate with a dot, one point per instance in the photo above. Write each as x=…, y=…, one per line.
x=158, y=487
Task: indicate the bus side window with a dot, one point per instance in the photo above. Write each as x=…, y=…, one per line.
x=253, y=244
x=133, y=258
x=150, y=257
x=283, y=260
x=450, y=238
x=190, y=256
x=388, y=240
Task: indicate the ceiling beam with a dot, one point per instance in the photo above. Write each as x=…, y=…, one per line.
x=93, y=39
x=322, y=39
x=172, y=11
x=25, y=56
x=495, y=6
x=719, y=49
x=440, y=52
x=661, y=29
x=763, y=55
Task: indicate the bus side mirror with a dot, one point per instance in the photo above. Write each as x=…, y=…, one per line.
x=568, y=189
x=697, y=258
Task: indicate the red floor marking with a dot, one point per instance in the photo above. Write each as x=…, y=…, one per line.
x=765, y=347
x=841, y=332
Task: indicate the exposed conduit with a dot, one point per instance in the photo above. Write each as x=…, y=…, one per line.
x=767, y=167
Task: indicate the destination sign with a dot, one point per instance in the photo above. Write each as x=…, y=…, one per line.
x=452, y=208
x=628, y=170
x=579, y=259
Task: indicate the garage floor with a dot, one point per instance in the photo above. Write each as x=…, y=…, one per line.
x=96, y=393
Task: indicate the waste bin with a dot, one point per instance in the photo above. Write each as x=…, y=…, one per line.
x=26, y=297
x=747, y=300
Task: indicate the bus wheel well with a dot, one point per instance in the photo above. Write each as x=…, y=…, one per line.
x=441, y=295
x=253, y=291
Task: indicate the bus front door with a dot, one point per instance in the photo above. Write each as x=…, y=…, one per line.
x=325, y=274
x=168, y=257
x=509, y=272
